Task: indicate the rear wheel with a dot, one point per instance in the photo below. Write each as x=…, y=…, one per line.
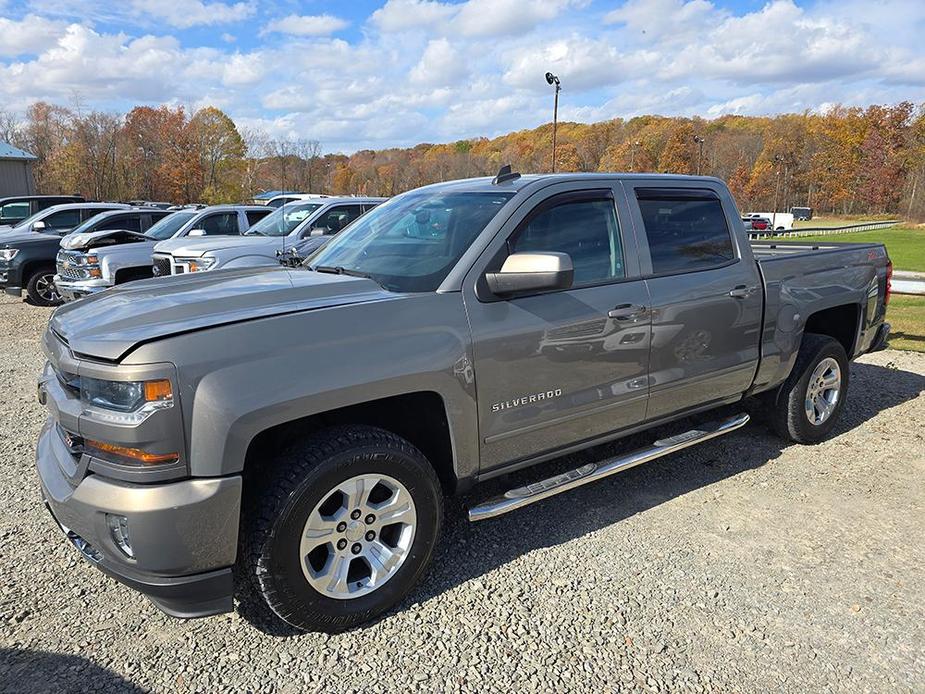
x=343, y=528
x=807, y=406
x=41, y=289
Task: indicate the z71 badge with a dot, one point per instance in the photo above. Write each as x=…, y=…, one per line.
x=526, y=400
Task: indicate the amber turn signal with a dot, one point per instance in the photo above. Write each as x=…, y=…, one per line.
x=134, y=454
x=158, y=390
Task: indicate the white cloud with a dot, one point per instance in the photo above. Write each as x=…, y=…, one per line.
x=441, y=64
x=402, y=15
x=28, y=36
x=307, y=25
x=470, y=18
x=184, y=14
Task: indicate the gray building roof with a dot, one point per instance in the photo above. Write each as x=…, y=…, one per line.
x=8, y=151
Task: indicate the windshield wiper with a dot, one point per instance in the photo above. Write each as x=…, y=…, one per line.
x=340, y=270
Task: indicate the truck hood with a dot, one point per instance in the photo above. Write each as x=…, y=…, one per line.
x=110, y=324
x=186, y=247
x=108, y=237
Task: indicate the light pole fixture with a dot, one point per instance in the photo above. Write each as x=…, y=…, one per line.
x=699, y=140
x=551, y=79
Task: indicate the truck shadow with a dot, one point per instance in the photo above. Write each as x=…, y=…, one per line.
x=469, y=550
x=25, y=670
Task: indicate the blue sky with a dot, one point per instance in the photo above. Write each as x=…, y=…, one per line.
x=380, y=73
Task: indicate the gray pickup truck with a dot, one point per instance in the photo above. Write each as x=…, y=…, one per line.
x=302, y=426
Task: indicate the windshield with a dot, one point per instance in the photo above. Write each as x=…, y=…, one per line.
x=283, y=220
x=411, y=243
x=169, y=225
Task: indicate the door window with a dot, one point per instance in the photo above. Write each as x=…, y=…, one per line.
x=225, y=224
x=14, y=212
x=585, y=229
x=254, y=216
x=685, y=230
x=337, y=218
x=65, y=219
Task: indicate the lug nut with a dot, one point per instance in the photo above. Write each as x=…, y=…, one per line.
x=341, y=527
x=356, y=514
x=356, y=548
x=341, y=543
x=370, y=536
x=370, y=519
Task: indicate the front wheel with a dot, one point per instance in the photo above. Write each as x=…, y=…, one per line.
x=41, y=289
x=343, y=528
x=807, y=406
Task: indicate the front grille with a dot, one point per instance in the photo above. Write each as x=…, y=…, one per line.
x=67, y=266
x=161, y=266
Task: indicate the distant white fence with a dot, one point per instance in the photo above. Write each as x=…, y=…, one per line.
x=826, y=231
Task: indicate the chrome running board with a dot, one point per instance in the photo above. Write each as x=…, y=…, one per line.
x=531, y=493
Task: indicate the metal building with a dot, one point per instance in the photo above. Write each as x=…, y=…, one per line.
x=15, y=171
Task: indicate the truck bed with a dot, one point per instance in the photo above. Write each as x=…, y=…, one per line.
x=775, y=250
x=801, y=279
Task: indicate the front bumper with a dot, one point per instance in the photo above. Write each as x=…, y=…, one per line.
x=183, y=534
x=71, y=290
x=13, y=291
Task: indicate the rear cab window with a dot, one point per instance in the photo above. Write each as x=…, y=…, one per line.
x=685, y=228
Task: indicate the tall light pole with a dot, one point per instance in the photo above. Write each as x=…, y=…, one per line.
x=553, y=80
x=633, y=155
x=699, y=140
x=779, y=158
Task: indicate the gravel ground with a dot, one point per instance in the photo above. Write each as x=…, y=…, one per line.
x=740, y=565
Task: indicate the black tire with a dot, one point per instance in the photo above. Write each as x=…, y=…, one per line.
x=788, y=415
x=41, y=290
x=298, y=481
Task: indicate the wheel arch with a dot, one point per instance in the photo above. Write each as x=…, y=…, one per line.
x=841, y=322
x=420, y=417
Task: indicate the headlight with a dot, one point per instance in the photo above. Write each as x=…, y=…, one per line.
x=8, y=254
x=124, y=402
x=86, y=260
x=197, y=264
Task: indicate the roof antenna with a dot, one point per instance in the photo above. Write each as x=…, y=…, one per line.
x=505, y=174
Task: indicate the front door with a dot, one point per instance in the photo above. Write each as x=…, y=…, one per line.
x=561, y=367
x=706, y=297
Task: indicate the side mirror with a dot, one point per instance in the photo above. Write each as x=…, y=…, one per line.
x=38, y=226
x=532, y=272
x=197, y=232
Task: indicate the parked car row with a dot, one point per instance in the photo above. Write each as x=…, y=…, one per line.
x=68, y=251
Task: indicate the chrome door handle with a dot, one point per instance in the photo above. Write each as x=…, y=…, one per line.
x=742, y=292
x=627, y=312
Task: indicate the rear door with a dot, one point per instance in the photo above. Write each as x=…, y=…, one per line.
x=705, y=294
x=562, y=367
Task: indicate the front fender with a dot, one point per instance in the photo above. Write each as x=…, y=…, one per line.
x=238, y=380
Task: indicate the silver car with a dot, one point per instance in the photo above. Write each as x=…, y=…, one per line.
x=299, y=227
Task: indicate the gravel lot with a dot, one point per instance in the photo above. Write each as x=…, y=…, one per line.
x=741, y=565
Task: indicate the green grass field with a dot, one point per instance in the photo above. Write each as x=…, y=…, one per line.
x=906, y=315
x=906, y=245
x=840, y=221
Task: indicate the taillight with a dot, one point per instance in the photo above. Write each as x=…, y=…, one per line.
x=889, y=282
